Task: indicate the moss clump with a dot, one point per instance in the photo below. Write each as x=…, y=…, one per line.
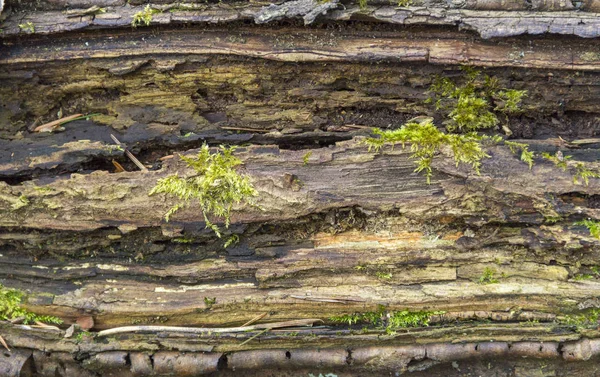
x=390, y=321
x=470, y=106
x=588, y=319
x=143, y=17
x=10, y=308
x=488, y=276
x=426, y=140
x=28, y=27
x=526, y=154
x=583, y=173
x=558, y=159
x=593, y=227
x=217, y=186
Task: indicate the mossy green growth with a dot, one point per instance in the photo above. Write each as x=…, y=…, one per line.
x=471, y=105
x=592, y=225
x=588, y=319
x=143, y=17
x=362, y=4
x=526, y=154
x=583, y=173
x=557, y=159
x=217, y=186
x=28, y=27
x=388, y=320
x=426, y=140
x=488, y=276
x=20, y=202
x=10, y=308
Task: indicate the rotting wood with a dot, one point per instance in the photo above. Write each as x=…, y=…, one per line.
x=340, y=231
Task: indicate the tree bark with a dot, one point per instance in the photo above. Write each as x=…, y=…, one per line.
x=337, y=229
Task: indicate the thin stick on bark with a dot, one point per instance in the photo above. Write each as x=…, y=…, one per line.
x=3, y=342
x=255, y=336
x=51, y=125
x=244, y=129
x=201, y=330
x=130, y=155
x=257, y=318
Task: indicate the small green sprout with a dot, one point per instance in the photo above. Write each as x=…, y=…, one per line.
x=362, y=4
x=209, y=301
x=526, y=155
x=28, y=27
x=581, y=277
x=405, y=3
x=232, y=241
x=583, y=173
x=306, y=157
x=488, y=276
x=217, y=186
x=10, y=308
x=593, y=227
x=143, y=17
x=383, y=275
x=426, y=140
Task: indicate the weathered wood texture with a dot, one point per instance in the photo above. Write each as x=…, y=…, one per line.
x=337, y=229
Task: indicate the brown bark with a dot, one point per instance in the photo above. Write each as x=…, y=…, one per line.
x=337, y=229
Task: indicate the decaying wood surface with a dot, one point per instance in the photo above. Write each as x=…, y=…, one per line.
x=337, y=229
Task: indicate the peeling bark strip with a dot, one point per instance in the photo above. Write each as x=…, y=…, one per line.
x=349, y=263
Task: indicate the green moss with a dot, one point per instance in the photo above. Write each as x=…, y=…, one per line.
x=306, y=157
x=28, y=27
x=21, y=202
x=588, y=319
x=526, y=155
x=581, y=277
x=593, y=227
x=583, y=173
x=10, y=308
x=143, y=17
x=362, y=4
x=233, y=240
x=388, y=320
x=426, y=141
x=383, y=275
x=405, y=3
x=217, y=186
x=209, y=301
x=488, y=276
x=469, y=105
x=558, y=159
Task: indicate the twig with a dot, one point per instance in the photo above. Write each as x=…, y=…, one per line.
x=130, y=155
x=244, y=129
x=3, y=342
x=585, y=141
x=47, y=127
x=118, y=167
x=249, y=339
x=200, y=330
x=257, y=318
x=356, y=126
x=326, y=299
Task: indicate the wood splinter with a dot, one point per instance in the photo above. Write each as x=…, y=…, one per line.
x=129, y=154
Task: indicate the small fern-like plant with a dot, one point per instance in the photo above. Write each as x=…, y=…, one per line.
x=143, y=17
x=593, y=227
x=217, y=185
x=425, y=142
x=10, y=308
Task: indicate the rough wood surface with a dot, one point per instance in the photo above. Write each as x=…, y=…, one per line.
x=337, y=229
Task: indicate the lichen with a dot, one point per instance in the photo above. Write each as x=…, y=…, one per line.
x=216, y=187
